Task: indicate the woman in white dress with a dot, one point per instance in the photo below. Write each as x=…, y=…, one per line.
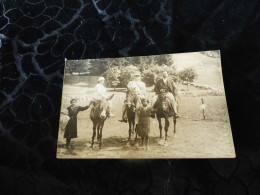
x=101, y=93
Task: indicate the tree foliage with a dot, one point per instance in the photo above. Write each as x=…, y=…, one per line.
x=188, y=75
x=154, y=73
x=112, y=76
x=166, y=59
x=127, y=74
x=77, y=66
x=119, y=71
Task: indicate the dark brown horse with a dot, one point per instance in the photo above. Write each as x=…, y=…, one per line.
x=131, y=99
x=98, y=115
x=163, y=110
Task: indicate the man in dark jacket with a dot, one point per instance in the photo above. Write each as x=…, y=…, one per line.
x=166, y=86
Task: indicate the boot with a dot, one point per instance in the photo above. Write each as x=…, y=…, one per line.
x=174, y=108
x=68, y=146
x=124, y=116
x=175, y=112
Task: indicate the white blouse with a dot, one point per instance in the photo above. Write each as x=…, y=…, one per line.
x=100, y=91
x=138, y=86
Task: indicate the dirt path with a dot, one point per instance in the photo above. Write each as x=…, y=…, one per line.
x=195, y=138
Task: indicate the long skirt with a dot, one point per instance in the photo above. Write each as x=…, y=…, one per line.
x=71, y=129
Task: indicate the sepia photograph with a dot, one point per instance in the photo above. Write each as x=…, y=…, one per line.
x=158, y=106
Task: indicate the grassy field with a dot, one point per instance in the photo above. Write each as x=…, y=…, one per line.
x=195, y=137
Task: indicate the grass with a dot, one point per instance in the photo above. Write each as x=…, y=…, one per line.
x=195, y=138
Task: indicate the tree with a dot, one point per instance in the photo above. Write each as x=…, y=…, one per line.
x=166, y=59
x=153, y=74
x=127, y=74
x=98, y=66
x=120, y=75
x=188, y=75
x=112, y=76
x=77, y=66
x=144, y=62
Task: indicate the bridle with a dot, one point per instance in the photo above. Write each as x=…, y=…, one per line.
x=163, y=103
x=100, y=107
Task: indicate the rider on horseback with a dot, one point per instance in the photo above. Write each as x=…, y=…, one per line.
x=140, y=89
x=101, y=94
x=166, y=86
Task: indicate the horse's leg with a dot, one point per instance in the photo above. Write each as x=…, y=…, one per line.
x=166, y=127
x=130, y=130
x=94, y=134
x=174, y=125
x=98, y=129
x=160, y=126
x=135, y=126
x=100, y=135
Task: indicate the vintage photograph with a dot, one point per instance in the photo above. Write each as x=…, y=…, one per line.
x=159, y=106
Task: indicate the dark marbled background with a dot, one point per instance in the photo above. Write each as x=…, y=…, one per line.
x=36, y=36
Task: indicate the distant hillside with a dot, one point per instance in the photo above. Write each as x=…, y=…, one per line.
x=208, y=68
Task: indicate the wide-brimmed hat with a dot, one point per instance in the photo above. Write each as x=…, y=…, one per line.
x=101, y=79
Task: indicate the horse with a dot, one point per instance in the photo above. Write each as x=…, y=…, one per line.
x=98, y=116
x=163, y=111
x=131, y=99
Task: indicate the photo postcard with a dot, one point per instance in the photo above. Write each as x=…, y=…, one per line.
x=158, y=106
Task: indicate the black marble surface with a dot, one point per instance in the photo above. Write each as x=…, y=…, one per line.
x=36, y=36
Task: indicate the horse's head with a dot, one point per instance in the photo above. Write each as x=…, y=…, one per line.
x=100, y=107
x=164, y=104
x=103, y=109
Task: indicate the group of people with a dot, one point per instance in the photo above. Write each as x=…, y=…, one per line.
x=164, y=85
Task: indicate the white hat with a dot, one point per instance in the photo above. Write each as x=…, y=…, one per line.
x=101, y=79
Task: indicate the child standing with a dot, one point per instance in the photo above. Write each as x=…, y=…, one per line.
x=143, y=127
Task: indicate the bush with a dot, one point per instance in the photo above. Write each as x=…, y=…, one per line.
x=112, y=76
x=149, y=78
x=152, y=74
x=127, y=74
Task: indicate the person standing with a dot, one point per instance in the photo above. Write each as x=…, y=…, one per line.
x=167, y=86
x=143, y=128
x=71, y=127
